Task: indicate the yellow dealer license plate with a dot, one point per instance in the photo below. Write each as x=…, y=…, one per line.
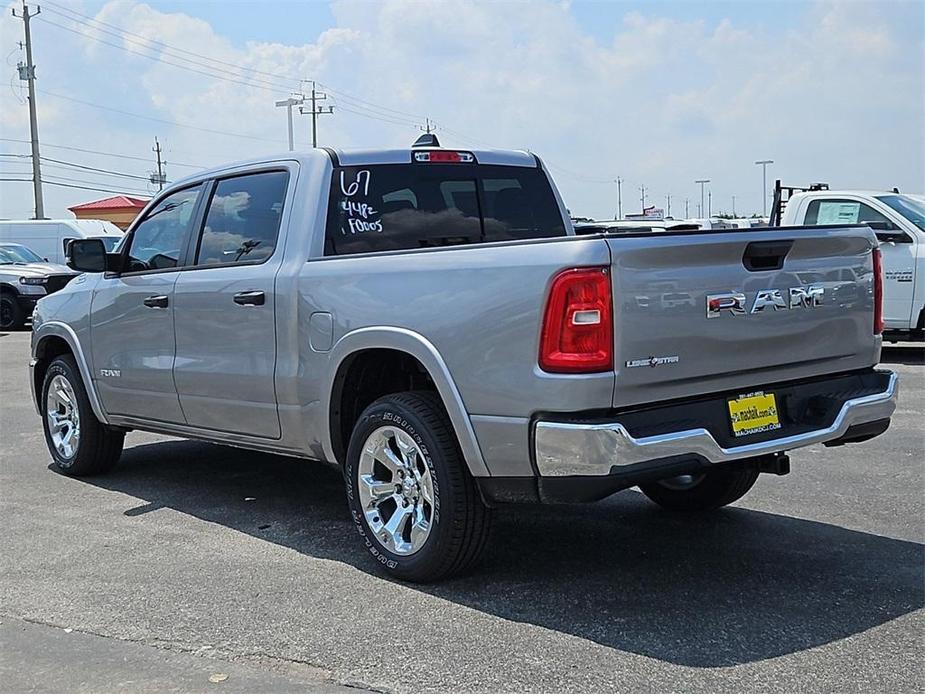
x=753, y=413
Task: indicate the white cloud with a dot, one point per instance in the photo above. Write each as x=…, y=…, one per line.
x=660, y=102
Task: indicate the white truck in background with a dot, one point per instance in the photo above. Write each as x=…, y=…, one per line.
x=898, y=220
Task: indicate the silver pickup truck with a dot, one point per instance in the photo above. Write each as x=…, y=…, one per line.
x=426, y=320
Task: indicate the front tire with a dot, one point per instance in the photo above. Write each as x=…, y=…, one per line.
x=79, y=443
x=703, y=491
x=414, y=503
x=11, y=314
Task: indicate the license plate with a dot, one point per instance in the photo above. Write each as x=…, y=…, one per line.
x=753, y=413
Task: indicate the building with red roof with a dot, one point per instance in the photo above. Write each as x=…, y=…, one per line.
x=121, y=210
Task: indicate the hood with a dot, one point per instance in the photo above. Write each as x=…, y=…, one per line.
x=36, y=269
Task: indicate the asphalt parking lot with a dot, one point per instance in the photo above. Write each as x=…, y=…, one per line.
x=193, y=561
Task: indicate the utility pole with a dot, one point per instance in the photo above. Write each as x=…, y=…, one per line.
x=764, y=185
x=668, y=206
x=158, y=178
x=427, y=127
x=289, y=103
x=619, y=182
x=642, y=198
x=702, y=182
x=27, y=73
x=733, y=206
x=687, y=208
x=316, y=111
x=709, y=203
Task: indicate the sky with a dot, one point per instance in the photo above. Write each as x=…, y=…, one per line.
x=659, y=94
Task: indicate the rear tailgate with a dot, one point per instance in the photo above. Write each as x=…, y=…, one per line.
x=666, y=346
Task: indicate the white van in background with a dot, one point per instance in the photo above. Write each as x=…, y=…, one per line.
x=49, y=237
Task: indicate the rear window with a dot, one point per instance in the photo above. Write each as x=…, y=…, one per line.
x=404, y=206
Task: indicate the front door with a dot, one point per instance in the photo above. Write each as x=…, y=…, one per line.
x=225, y=309
x=132, y=316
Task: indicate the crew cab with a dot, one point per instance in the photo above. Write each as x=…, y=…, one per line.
x=898, y=220
x=427, y=320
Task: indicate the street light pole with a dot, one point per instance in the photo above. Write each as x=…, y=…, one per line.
x=702, y=182
x=764, y=185
x=619, y=182
x=289, y=103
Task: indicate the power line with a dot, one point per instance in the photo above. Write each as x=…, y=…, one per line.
x=159, y=120
x=104, y=154
x=369, y=105
x=70, y=185
x=70, y=164
x=119, y=32
x=60, y=8
x=361, y=105
x=254, y=83
x=392, y=121
x=121, y=189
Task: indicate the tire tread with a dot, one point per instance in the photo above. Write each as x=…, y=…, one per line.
x=100, y=446
x=471, y=522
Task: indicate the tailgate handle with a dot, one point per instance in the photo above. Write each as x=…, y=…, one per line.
x=765, y=255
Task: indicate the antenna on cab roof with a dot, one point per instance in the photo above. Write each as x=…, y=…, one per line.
x=427, y=140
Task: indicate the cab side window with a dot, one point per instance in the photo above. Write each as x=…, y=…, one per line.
x=830, y=212
x=158, y=240
x=243, y=218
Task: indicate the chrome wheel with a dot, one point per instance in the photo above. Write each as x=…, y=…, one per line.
x=683, y=482
x=63, y=417
x=395, y=490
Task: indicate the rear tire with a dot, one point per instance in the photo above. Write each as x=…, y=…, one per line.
x=703, y=491
x=79, y=443
x=11, y=315
x=414, y=503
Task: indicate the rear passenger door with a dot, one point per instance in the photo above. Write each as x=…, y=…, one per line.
x=225, y=307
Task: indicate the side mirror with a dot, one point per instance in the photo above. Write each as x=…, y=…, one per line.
x=86, y=255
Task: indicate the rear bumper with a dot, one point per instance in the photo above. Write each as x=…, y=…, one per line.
x=582, y=449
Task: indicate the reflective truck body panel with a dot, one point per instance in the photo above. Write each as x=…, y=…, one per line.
x=471, y=315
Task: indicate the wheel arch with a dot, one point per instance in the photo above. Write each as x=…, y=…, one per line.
x=51, y=340
x=402, y=344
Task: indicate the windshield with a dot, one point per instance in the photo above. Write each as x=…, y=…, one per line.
x=908, y=207
x=16, y=253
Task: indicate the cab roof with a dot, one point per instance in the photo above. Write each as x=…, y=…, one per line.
x=368, y=157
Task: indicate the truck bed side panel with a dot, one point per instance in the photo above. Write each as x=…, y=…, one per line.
x=480, y=306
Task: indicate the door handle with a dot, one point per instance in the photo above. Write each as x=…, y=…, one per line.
x=156, y=301
x=250, y=298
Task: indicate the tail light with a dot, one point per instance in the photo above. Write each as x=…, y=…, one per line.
x=577, y=332
x=878, y=292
